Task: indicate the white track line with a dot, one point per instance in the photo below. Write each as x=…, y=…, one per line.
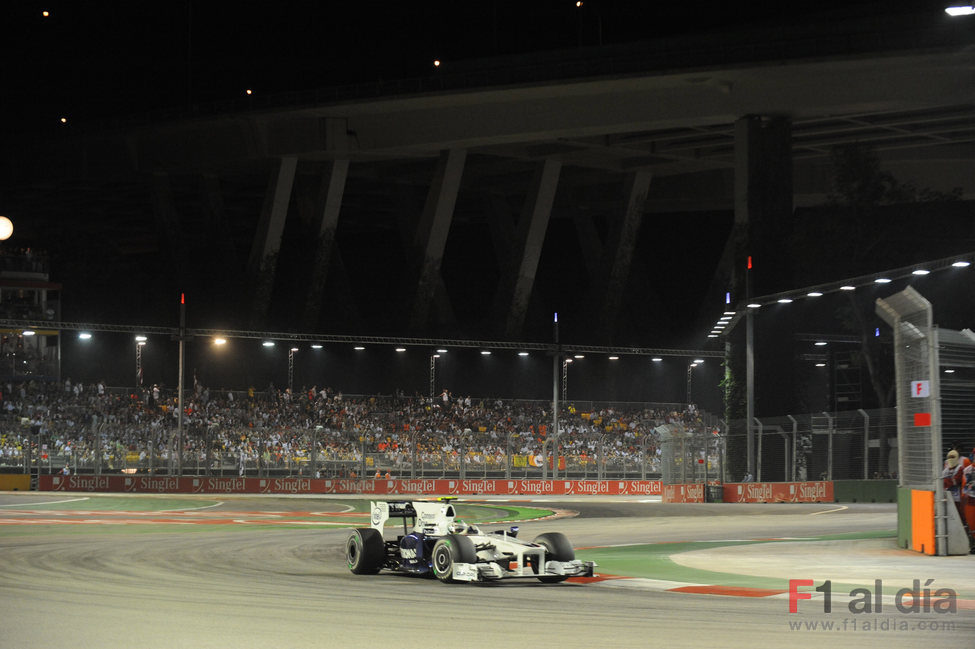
x=827, y=511
x=50, y=502
x=191, y=509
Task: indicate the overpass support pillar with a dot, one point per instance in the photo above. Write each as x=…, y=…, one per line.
x=263, y=260
x=167, y=218
x=328, y=205
x=431, y=233
x=529, y=237
x=620, y=251
x=763, y=222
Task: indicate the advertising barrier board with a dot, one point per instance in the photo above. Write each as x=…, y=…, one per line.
x=379, y=486
x=779, y=492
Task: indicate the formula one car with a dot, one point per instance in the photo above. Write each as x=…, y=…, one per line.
x=441, y=545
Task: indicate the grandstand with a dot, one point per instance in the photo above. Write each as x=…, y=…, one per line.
x=48, y=427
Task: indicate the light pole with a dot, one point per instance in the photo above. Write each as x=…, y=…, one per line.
x=291, y=371
x=565, y=377
x=433, y=374
x=140, y=342
x=179, y=391
x=555, y=382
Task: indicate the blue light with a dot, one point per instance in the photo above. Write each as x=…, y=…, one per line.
x=876, y=332
x=727, y=297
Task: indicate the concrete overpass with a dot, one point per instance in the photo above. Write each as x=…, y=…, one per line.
x=608, y=142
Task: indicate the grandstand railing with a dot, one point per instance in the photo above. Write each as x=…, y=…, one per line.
x=324, y=453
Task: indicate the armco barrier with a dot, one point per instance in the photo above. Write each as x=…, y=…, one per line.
x=503, y=487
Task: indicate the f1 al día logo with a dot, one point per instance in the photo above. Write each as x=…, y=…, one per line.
x=916, y=599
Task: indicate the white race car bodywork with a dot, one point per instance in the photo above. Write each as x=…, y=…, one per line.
x=452, y=550
x=500, y=556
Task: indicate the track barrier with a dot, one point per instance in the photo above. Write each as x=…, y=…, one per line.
x=450, y=486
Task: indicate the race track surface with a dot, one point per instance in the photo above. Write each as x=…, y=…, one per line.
x=89, y=584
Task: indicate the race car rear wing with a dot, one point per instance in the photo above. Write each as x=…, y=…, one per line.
x=434, y=518
x=382, y=511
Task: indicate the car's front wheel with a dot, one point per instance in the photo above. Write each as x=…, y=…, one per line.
x=449, y=550
x=557, y=548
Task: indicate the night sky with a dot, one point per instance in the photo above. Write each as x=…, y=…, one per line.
x=92, y=63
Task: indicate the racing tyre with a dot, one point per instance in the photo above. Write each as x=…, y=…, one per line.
x=365, y=551
x=557, y=548
x=449, y=550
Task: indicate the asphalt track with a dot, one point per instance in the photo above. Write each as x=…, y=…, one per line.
x=81, y=585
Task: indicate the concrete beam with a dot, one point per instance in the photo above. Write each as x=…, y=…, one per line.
x=516, y=289
x=622, y=244
x=329, y=204
x=263, y=260
x=501, y=223
x=167, y=217
x=423, y=124
x=431, y=232
x=217, y=223
x=589, y=241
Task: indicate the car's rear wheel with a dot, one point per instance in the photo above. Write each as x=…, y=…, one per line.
x=449, y=550
x=365, y=551
x=557, y=548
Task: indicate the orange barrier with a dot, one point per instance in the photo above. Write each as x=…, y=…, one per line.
x=14, y=482
x=922, y=521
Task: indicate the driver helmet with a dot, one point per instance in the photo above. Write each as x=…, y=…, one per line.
x=457, y=527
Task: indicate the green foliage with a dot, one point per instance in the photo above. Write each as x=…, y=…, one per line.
x=860, y=182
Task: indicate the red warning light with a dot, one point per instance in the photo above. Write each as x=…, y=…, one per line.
x=749, y=262
x=182, y=298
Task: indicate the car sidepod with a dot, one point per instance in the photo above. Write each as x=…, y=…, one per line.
x=414, y=554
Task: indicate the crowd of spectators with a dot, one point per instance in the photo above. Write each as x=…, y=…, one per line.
x=316, y=431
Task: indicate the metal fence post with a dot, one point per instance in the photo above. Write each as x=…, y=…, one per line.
x=545, y=457
x=95, y=426
x=758, y=452
x=313, y=453
x=414, y=440
x=795, y=434
x=829, y=446
x=643, y=457
x=866, y=443
x=601, y=458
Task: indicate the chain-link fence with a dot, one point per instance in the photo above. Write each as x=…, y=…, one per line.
x=693, y=453
x=917, y=388
x=329, y=453
x=849, y=445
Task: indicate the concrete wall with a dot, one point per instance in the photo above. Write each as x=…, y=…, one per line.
x=865, y=491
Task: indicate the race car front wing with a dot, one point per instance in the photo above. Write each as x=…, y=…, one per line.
x=492, y=571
